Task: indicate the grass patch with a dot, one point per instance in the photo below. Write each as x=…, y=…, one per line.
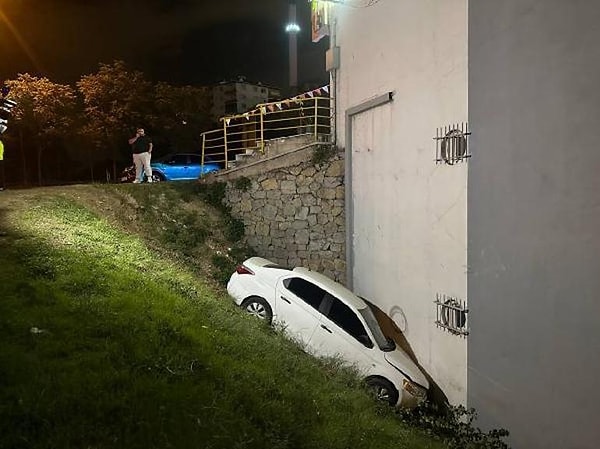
x=173, y=217
x=103, y=344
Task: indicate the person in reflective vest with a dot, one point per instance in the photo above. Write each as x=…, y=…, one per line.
x=1, y=165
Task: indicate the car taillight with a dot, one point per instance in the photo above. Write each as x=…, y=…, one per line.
x=241, y=269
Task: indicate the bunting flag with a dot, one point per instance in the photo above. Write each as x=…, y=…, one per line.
x=247, y=115
x=297, y=100
x=227, y=121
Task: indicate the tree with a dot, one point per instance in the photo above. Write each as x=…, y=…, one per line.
x=116, y=101
x=43, y=117
x=182, y=113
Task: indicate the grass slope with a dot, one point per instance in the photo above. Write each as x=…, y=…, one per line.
x=110, y=340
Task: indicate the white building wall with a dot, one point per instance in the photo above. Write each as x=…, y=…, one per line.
x=408, y=213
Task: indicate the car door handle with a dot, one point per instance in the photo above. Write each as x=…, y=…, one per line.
x=326, y=328
x=286, y=300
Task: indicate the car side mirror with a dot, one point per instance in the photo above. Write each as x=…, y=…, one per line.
x=366, y=341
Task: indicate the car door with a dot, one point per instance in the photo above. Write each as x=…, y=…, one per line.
x=176, y=166
x=186, y=171
x=195, y=166
x=297, y=307
x=342, y=333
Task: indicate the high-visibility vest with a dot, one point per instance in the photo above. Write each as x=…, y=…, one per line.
x=1, y=151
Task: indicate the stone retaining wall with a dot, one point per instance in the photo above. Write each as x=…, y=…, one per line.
x=294, y=215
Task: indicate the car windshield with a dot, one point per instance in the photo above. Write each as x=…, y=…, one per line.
x=384, y=343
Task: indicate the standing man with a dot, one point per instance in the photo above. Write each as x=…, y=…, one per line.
x=141, y=147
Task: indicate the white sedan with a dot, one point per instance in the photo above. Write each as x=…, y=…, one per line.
x=328, y=320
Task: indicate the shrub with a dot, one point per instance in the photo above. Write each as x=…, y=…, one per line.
x=223, y=266
x=323, y=153
x=214, y=194
x=454, y=425
x=235, y=229
x=242, y=183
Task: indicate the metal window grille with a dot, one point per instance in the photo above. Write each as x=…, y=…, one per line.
x=452, y=143
x=451, y=315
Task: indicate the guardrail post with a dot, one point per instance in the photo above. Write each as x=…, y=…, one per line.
x=316, y=117
x=203, y=150
x=225, y=142
x=262, y=129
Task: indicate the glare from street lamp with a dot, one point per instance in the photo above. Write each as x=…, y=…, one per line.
x=292, y=28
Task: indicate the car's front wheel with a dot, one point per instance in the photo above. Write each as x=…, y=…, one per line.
x=383, y=390
x=258, y=307
x=157, y=177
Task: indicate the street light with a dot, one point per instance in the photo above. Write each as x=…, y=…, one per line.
x=292, y=29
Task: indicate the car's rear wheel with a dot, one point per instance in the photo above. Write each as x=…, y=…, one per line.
x=383, y=390
x=258, y=307
x=157, y=177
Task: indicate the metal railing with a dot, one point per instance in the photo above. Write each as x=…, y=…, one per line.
x=307, y=114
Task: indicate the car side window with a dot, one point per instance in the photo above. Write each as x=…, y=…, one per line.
x=344, y=317
x=196, y=160
x=307, y=291
x=180, y=159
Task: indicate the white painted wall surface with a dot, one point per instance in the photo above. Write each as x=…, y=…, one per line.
x=409, y=222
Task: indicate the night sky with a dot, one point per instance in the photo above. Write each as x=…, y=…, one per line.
x=179, y=41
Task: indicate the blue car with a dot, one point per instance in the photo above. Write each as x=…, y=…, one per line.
x=176, y=167
x=179, y=167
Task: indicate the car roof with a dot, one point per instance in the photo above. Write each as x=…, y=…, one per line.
x=334, y=287
x=319, y=279
x=180, y=154
x=171, y=155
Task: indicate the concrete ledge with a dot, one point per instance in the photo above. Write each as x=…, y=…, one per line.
x=281, y=160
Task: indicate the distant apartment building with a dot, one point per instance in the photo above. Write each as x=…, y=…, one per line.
x=234, y=97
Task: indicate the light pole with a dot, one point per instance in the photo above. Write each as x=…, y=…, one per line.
x=292, y=29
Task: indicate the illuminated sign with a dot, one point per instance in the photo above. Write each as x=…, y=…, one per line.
x=320, y=20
